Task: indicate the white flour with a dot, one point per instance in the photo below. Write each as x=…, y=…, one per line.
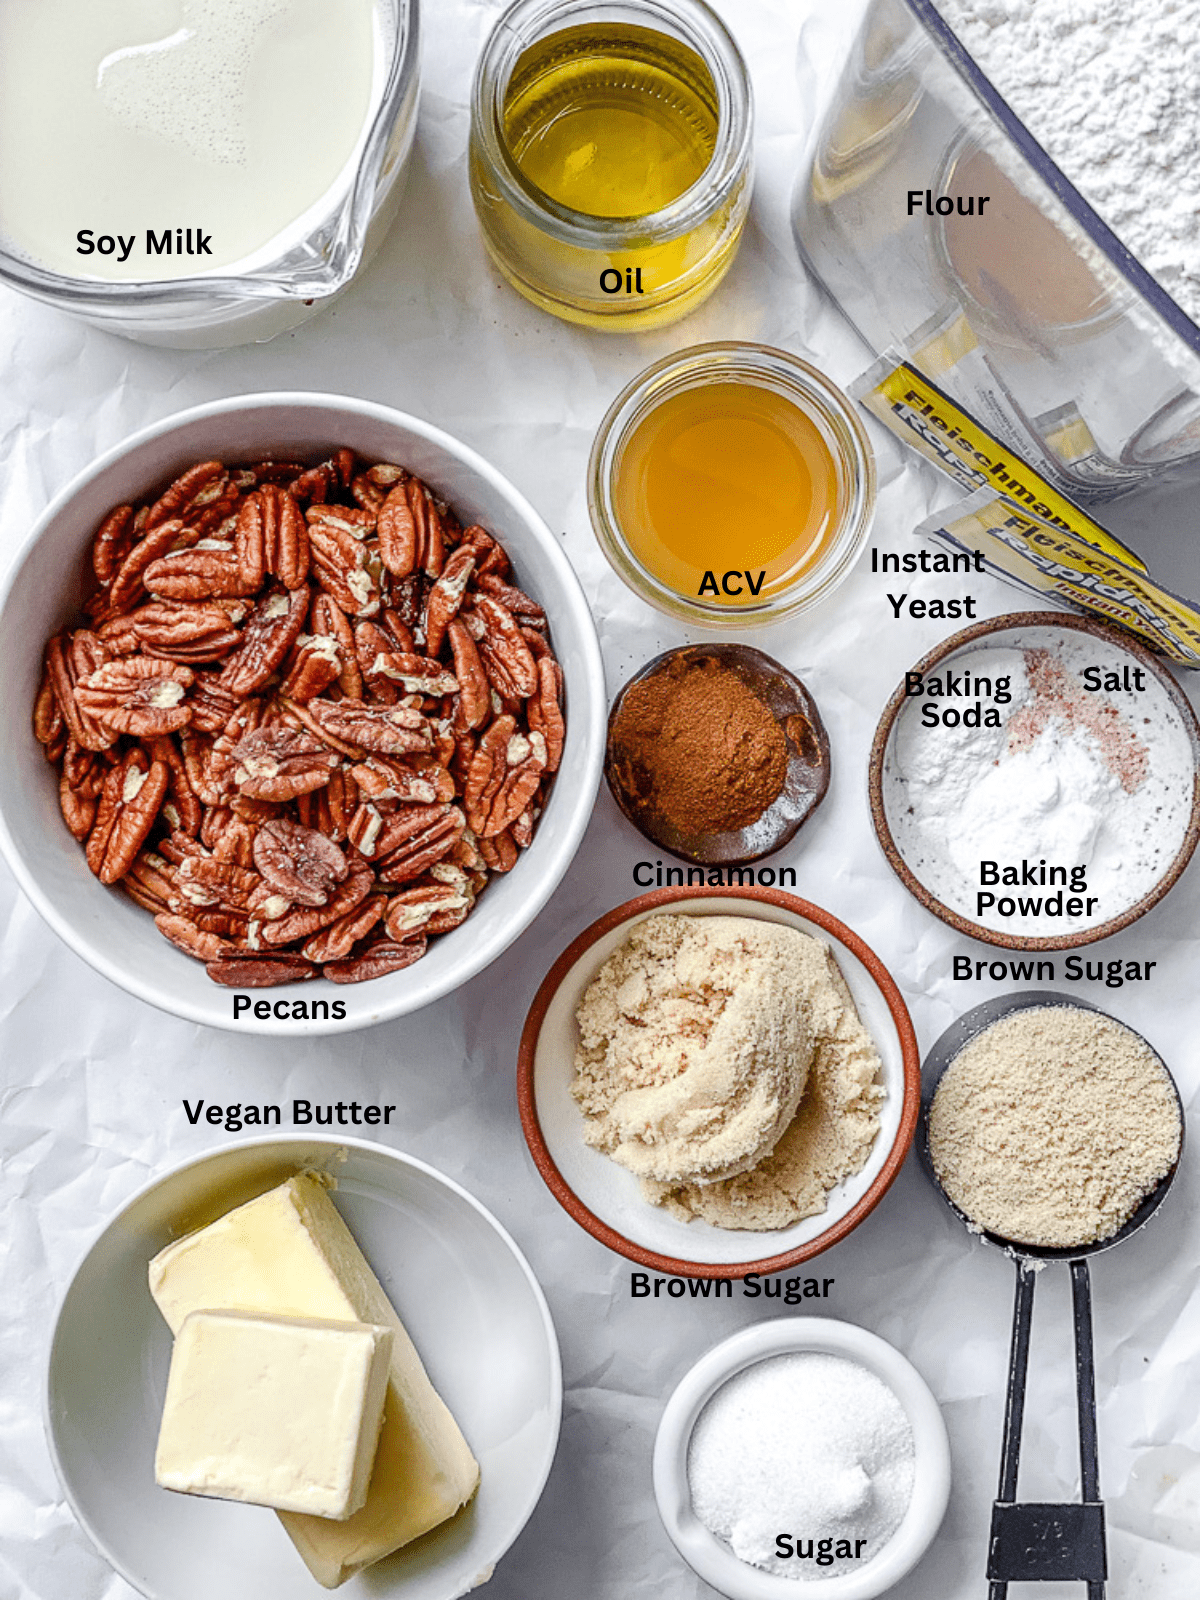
x=1096, y=785
x=1111, y=90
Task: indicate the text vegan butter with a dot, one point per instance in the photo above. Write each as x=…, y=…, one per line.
x=290, y=1253
x=277, y=1411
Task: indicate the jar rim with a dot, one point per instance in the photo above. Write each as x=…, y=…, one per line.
x=763, y=366
x=702, y=30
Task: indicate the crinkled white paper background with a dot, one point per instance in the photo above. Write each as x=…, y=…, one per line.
x=93, y=1080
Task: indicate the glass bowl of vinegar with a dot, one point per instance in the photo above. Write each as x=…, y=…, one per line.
x=610, y=156
x=732, y=485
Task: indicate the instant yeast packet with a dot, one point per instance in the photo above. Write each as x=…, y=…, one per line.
x=1028, y=531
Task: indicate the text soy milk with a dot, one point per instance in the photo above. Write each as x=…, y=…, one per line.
x=164, y=138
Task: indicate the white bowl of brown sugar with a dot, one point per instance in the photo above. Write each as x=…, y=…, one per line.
x=754, y=1042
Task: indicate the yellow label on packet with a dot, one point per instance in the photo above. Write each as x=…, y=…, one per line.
x=920, y=414
x=1052, y=560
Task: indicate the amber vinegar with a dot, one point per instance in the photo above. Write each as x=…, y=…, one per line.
x=727, y=493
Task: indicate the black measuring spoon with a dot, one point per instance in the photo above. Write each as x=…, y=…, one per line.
x=1032, y=1541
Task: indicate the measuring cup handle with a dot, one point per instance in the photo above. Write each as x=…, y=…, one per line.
x=1014, y=1408
x=1085, y=1392
x=1085, y=1381
x=1018, y=1363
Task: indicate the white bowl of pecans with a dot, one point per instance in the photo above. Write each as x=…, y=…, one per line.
x=303, y=672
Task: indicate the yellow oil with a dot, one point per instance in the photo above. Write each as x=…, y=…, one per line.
x=730, y=487
x=611, y=122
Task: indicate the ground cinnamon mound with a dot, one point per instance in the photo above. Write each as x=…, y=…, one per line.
x=697, y=748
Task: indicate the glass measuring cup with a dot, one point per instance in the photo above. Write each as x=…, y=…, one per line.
x=1034, y=1542
x=295, y=275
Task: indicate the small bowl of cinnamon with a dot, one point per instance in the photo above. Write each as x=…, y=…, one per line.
x=717, y=753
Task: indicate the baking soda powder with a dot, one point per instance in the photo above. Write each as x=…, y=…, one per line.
x=1024, y=794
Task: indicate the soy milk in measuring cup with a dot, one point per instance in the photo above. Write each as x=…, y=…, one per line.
x=159, y=139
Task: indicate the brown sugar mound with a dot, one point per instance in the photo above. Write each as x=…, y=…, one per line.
x=1051, y=1126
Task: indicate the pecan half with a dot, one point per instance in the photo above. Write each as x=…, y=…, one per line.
x=247, y=970
x=270, y=632
x=376, y=961
x=128, y=585
x=328, y=620
x=133, y=792
x=412, y=910
x=545, y=713
x=186, y=491
x=398, y=546
x=404, y=853
x=304, y=923
x=67, y=661
x=388, y=730
x=412, y=673
x=474, y=697
x=114, y=539
x=271, y=539
x=188, y=632
x=316, y=663
x=446, y=597
x=201, y=573
x=278, y=763
x=79, y=810
x=488, y=770
x=504, y=646
x=336, y=941
x=298, y=862
x=186, y=936
x=139, y=695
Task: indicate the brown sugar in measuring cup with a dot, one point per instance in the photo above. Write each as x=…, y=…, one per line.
x=717, y=753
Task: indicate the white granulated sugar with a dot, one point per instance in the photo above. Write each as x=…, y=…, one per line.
x=1111, y=90
x=811, y=1447
x=1098, y=783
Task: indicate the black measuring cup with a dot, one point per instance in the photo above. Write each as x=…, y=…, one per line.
x=1032, y=1541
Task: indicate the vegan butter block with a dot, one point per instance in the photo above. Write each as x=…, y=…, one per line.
x=279, y=1411
x=289, y=1253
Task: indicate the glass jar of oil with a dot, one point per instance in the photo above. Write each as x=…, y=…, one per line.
x=610, y=156
x=732, y=484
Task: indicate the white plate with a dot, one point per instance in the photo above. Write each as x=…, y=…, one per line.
x=464, y=1292
x=613, y=1196
x=41, y=595
x=710, y=1556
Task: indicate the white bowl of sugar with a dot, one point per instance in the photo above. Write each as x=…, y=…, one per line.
x=802, y=1449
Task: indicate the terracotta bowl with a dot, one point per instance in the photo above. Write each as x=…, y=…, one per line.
x=604, y=1198
x=1017, y=629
